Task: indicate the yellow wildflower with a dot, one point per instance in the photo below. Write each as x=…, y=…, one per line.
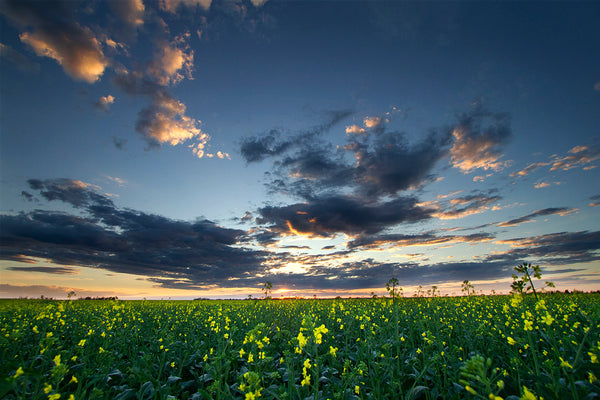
x=511, y=341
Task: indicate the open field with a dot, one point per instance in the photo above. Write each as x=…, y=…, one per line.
x=495, y=347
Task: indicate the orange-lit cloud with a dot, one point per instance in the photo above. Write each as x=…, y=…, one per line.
x=172, y=61
x=172, y=5
x=79, y=53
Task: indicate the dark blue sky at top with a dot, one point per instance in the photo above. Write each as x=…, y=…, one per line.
x=347, y=142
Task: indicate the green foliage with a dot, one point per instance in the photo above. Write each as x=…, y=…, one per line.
x=522, y=280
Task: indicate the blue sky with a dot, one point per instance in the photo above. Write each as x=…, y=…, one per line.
x=187, y=148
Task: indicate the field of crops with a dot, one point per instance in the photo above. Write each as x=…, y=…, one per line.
x=495, y=347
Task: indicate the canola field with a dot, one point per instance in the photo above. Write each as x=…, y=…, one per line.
x=472, y=347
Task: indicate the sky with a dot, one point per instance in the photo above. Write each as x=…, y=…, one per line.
x=200, y=148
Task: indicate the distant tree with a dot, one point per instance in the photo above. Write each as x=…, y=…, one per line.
x=267, y=289
x=468, y=287
x=390, y=286
x=373, y=295
x=71, y=294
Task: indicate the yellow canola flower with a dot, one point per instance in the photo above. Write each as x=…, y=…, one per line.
x=73, y=379
x=593, y=357
x=47, y=388
x=491, y=396
x=357, y=389
x=511, y=341
x=54, y=396
x=307, y=363
x=250, y=357
x=18, y=373
x=57, y=360
x=565, y=364
x=242, y=352
x=35, y=329
x=306, y=380
x=527, y=395
x=333, y=350
x=547, y=319
x=591, y=377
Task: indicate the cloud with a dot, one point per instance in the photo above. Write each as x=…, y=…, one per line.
x=124, y=240
x=131, y=12
x=71, y=191
x=119, y=142
x=257, y=148
x=164, y=121
x=464, y=206
x=595, y=201
x=258, y=3
x=478, y=137
x=46, y=270
x=172, y=61
x=424, y=239
x=553, y=249
x=51, y=33
x=529, y=169
x=579, y=156
x=327, y=216
x=562, y=211
x=173, y=5
x=18, y=59
x=105, y=102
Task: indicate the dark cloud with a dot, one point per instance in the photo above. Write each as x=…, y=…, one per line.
x=327, y=216
x=464, y=206
x=123, y=240
x=271, y=144
x=119, y=142
x=478, y=138
x=46, y=270
x=529, y=217
x=424, y=239
x=553, y=249
x=74, y=192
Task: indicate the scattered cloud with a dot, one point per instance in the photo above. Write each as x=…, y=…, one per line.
x=562, y=211
x=478, y=138
x=328, y=216
x=579, y=156
x=51, y=33
x=173, y=5
x=119, y=142
x=124, y=240
x=595, y=201
x=164, y=121
x=529, y=169
x=9, y=54
x=553, y=249
x=424, y=239
x=105, y=102
x=172, y=61
x=131, y=12
x=461, y=207
x=46, y=270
